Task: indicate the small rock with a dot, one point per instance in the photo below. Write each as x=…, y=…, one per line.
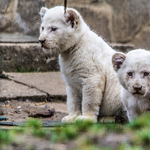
x=17, y=111
x=3, y=111
x=11, y=114
x=1, y=104
x=47, y=107
x=27, y=101
x=27, y=111
x=19, y=107
x=7, y=102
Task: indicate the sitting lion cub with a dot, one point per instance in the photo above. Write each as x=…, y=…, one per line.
x=133, y=71
x=85, y=62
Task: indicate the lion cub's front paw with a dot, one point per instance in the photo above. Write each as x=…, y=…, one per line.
x=87, y=118
x=68, y=119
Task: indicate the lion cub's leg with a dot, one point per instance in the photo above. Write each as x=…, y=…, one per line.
x=130, y=104
x=132, y=114
x=73, y=104
x=91, y=100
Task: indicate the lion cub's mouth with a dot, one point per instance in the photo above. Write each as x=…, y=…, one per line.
x=138, y=93
x=43, y=46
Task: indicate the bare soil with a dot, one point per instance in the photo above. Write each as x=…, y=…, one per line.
x=17, y=111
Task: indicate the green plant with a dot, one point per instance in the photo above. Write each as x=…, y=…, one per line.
x=35, y=127
x=6, y=137
x=83, y=125
x=97, y=129
x=140, y=122
x=38, y=69
x=92, y=147
x=143, y=136
x=129, y=147
x=64, y=133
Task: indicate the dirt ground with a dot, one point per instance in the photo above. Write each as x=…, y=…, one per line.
x=18, y=111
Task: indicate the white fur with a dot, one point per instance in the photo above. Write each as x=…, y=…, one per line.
x=137, y=62
x=85, y=62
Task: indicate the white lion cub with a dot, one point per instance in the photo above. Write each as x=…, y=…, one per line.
x=133, y=71
x=85, y=62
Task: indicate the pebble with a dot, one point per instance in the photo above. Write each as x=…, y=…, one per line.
x=7, y=102
x=1, y=103
x=17, y=111
x=27, y=101
x=19, y=107
x=47, y=107
x=11, y=114
x=3, y=111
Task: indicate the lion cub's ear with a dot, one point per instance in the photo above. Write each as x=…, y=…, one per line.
x=117, y=60
x=43, y=11
x=72, y=17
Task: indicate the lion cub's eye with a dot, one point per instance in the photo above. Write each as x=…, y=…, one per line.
x=146, y=73
x=42, y=28
x=53, y=29
x=129, y=74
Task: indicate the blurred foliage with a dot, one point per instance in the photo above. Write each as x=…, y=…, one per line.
x=85, y=134
x=141, y=122
x=22, y=69
x=34, y=126
x=6, y=137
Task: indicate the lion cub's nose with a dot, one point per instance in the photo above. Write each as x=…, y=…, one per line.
x=42, y=41
x=137, y=88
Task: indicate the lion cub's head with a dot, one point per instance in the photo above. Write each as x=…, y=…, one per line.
x=60, y=31
x=133, y=71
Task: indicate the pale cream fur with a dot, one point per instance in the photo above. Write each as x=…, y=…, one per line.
x=133, y=71
x=85, y=62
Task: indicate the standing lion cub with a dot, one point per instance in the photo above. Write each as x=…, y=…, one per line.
x=133, y=71
x=85, y=62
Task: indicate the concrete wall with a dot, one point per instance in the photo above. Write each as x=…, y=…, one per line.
x=117, y=21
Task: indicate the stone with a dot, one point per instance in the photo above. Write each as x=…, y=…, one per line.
x=3, y=6
x=98, y=18
x=141, y=40
x=4, y=23
x=26, y=58
x=123, y=47
x=4, y=111
x=52, y=3
x=17, y=38
x=28, y=15
x=128, y=17
x=10, y=90
x=48, y=82
x=7, y=102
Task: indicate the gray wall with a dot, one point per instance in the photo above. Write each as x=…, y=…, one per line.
x=117, y=21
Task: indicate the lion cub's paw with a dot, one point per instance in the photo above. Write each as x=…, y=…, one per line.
x=87, y=118
x=68, y=119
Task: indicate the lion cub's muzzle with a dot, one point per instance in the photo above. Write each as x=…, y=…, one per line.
x=42, y=42
x=138, y=90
